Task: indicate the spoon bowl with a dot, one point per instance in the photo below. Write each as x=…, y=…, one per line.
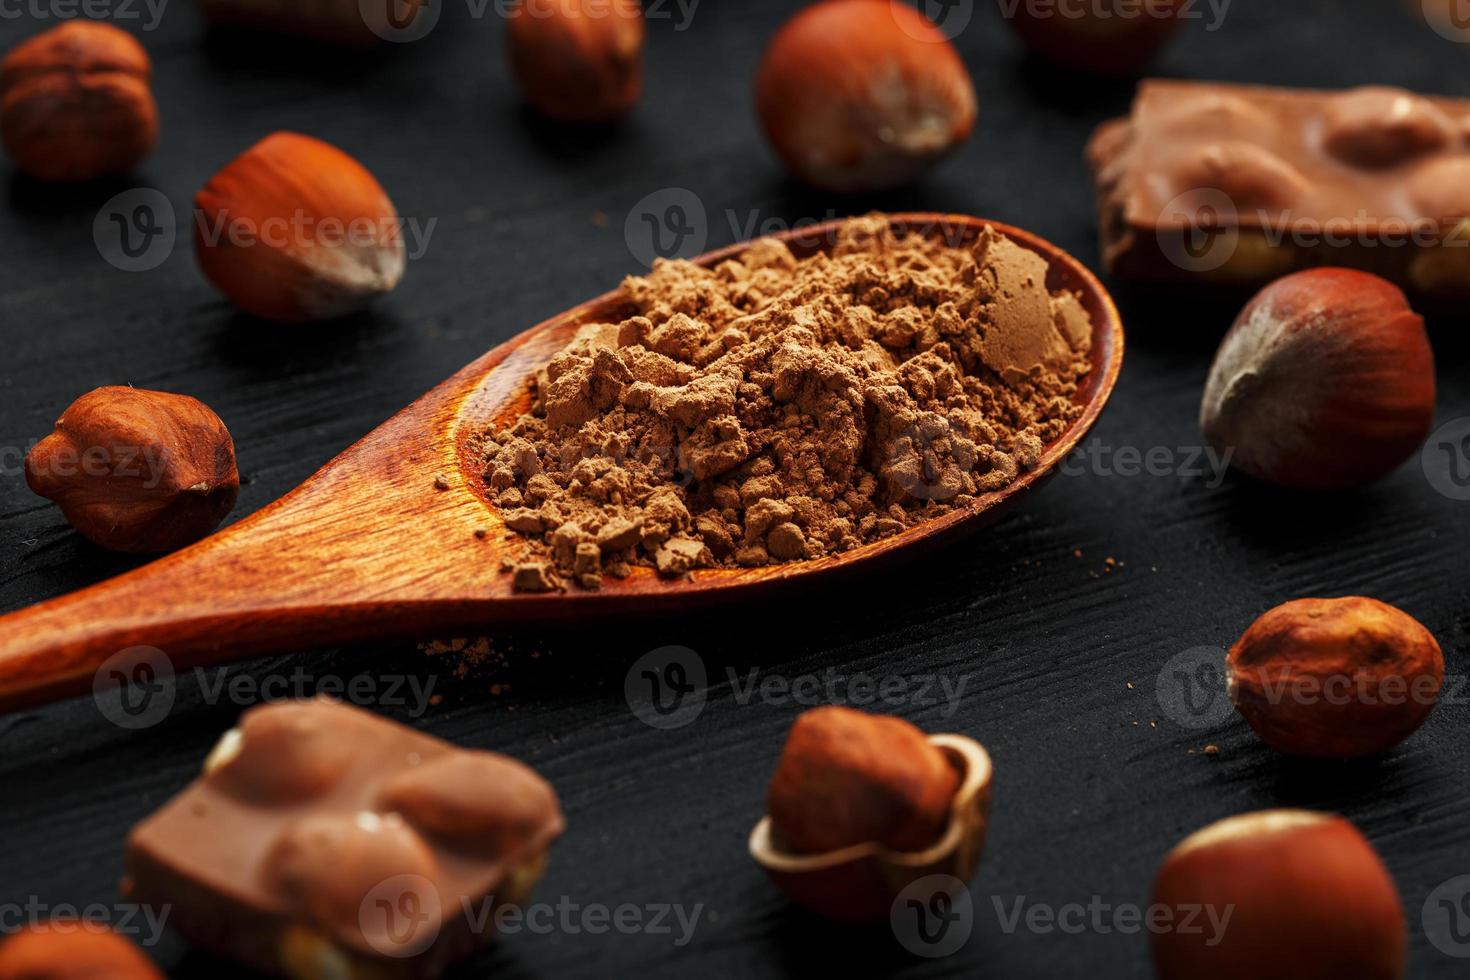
x=397, y=536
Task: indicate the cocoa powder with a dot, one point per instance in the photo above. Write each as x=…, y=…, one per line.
x=772, y=409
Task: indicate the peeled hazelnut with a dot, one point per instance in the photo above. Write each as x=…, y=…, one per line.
x=1376, y=126
x=136, y=470
x=859, y=95
x=293, y=230
x=75, y=102
x=72, y=950
x=485, y=803
x=1306, y=897
x=1338, y=678
x=1326, y=381
x=577, y=61
x=1105, y=37
x=846, y=777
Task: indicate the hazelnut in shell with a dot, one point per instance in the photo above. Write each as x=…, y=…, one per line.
x=1307, y=898
x=863, y=805
x=577, y=61
x=72, y=950
x=136, y=470
x=1335, y=678
x=75, y=103
x=862, y=95
x=1104, y=37
x=1325, y=382
x=295, y=230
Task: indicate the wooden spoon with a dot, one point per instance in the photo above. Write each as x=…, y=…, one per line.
x=381, y=542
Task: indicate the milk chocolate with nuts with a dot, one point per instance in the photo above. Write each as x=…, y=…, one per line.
x=324, y=841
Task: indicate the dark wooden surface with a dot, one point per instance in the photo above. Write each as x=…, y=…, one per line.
x=1094, y=781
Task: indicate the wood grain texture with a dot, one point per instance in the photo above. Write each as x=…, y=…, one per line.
x=1093, y=780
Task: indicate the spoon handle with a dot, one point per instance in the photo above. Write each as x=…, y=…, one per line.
x=352, y=554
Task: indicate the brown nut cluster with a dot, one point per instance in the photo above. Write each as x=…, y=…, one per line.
x=75, y=103
x=295, y=230
x=136, y=470
x=1109, y=37
x=1279, y=895
x=70, y=950
x=846, y=777
x=862, y=95
x=577, y=61
x=1338, y=678
x=1325, y=382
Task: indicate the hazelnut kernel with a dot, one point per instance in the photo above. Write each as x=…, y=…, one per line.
x=846, y=777
x=136, y=470
x=1339, y=678
x=75, y=103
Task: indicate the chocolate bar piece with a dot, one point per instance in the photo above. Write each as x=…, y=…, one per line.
x=1243, y=184
x=324, y=841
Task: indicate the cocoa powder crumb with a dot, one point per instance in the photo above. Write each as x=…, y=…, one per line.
x=772, y=409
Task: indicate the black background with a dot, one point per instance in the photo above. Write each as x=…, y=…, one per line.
x=1094, y=781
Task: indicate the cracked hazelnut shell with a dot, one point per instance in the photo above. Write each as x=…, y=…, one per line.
x=862, y=95
x=75, y=103
x=1308, y=899
x=295, y=230
x=1335, y=678
x=577, y=61
x=136, y=470
x=1325, y=382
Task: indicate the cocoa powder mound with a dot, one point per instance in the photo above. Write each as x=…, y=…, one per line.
x=772, y=409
